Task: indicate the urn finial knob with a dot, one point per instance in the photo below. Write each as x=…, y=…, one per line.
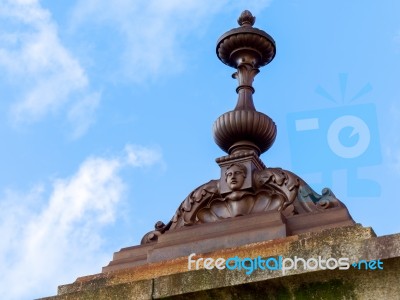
x=246, y=19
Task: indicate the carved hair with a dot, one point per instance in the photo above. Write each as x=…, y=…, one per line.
x=240, y=166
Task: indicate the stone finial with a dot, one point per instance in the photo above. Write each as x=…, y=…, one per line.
x=246, y=49
x=246, y=19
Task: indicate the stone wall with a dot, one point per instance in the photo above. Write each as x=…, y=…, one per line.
x=172, y=280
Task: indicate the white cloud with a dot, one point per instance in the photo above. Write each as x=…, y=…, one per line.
x=44, y=72
x=82, y=114
x=46, y=76
x=153, y=30
x=49, y=242
x=138, y=156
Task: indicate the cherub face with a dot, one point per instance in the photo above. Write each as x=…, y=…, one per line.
x=235, y=177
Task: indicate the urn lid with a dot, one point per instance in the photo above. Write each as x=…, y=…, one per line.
x=246, y=38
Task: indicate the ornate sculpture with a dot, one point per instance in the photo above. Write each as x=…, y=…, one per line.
x=235, y=175
x=246, y=186
x=276, y=189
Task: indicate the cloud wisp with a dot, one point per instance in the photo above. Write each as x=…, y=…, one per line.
x=153, y=31
x=49, y=240
x=44, y=75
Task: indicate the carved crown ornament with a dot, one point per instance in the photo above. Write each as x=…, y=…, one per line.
x=246, y=186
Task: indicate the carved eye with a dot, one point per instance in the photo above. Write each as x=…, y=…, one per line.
x=229, y=174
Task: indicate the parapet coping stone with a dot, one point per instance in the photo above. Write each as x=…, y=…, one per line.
x=172, y=277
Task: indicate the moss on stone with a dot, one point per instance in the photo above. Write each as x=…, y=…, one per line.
x=331, y=290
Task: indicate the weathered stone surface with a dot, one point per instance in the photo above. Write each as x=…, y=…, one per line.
x=351, y=284
x=171, y=279
x=98, y=290
x=233, y=232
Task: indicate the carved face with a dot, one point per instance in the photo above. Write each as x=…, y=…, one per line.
x=235, y=177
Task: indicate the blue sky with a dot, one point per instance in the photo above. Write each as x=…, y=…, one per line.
x=106, y=110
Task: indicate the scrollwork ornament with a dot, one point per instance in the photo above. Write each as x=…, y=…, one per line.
x=153, y=235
